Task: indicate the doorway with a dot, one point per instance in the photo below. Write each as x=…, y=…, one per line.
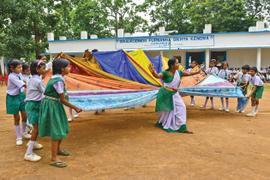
x=197, y=56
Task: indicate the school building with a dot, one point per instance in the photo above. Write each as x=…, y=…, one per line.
x=237, y=48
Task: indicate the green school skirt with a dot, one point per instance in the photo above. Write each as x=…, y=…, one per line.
x=53, y=119
x=32, y=110
x=15, y=104
x=258, y=93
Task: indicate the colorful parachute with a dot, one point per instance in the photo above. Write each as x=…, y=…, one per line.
x=119, y=79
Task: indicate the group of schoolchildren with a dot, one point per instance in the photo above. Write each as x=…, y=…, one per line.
x=248, y=76
x=29, y=100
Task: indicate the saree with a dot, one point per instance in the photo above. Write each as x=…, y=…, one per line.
x=172, y=113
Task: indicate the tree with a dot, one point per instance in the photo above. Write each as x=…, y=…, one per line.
x=229, y=15
x=92, y=17
x=123, y=14
x=159, y=12
x=63, y=11
x=28, y=23
x=191, y=16
x=258, y=9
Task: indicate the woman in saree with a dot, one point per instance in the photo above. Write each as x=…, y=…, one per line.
x=169, y=102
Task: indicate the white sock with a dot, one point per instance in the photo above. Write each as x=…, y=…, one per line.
x=222, y=102
x=18, y=131
x=253, y=109
x=23, y=127
x=192, y=100
x=227, y=103
x=256, y=108
x=30, y=147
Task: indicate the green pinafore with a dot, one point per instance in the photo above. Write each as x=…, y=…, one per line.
x=53, y=119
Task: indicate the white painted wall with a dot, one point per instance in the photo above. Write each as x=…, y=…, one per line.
x=265, y=58
x=235, y=57
x=79, y=46
x=239, y=57
x=246, y=40
x=227, y=40
x=241, y=47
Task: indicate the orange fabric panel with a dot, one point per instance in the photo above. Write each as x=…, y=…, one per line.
x=188, y=81
x=80, y=82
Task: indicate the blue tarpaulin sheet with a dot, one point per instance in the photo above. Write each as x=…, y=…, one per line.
x=117, y=63
x=156, y=61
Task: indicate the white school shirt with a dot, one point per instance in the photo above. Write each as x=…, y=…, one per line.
x=256, y=81
x=242, y=78
x=15, y=84
x=224, y=74
x=35, y=89
x=26, y=78
x=49, y=66
x=212, y=70
x=59, y=86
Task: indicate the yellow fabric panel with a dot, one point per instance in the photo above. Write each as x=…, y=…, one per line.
x=165, y=63
x=141, y=62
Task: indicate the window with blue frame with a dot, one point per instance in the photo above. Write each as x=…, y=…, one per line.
x=220, y=56
x=195, y=56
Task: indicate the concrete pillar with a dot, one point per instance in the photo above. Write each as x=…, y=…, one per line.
x=259, y=59
x=63, y=38
x=207, y=58
x=84, y=35
x=161, y=54
x=121, y=32
x=51, y=57
x=207, y=29
x=50, y=36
